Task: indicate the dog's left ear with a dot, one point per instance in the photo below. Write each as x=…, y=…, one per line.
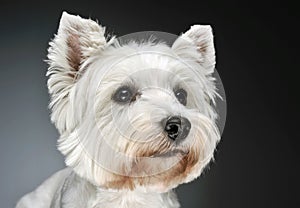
x=201, y=37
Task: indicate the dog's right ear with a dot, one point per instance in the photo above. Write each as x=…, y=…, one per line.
x=77, y=39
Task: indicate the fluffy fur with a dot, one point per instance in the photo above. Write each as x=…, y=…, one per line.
x=118, y=155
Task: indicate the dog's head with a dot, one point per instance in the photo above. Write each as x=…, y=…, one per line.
x=133, y=115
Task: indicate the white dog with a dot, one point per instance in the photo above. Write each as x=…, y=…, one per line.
x=135, y=119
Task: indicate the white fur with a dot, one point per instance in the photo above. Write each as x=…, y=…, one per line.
x=104, y=142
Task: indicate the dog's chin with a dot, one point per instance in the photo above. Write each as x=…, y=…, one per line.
x=157, y=173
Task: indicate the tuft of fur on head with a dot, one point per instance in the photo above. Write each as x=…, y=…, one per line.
x=118, y=146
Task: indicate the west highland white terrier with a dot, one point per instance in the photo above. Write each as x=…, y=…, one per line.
x=136, y=118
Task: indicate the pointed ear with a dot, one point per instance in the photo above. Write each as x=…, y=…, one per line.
x=76, y=40
x=201, y=37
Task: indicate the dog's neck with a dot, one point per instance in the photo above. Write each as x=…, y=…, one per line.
x=77, y=192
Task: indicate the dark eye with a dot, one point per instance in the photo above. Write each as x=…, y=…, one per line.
x=181, y=96
x=123, y=95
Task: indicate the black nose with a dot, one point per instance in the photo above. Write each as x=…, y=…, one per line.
x=177, y=127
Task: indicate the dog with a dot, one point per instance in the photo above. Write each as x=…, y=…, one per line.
x=136, y=119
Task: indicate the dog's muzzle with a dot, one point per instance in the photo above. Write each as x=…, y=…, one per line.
x=177, y=127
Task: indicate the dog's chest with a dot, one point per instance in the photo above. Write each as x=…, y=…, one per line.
x=78, y=193
x=133, y=199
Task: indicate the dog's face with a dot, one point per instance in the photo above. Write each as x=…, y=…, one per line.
x=133, y=115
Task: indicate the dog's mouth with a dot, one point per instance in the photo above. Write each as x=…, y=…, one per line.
x=173, y=153
x=158, y=163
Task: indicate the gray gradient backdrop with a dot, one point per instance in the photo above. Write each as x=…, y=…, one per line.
x=255, y=162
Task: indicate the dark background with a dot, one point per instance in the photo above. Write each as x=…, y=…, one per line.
x=256, y=162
